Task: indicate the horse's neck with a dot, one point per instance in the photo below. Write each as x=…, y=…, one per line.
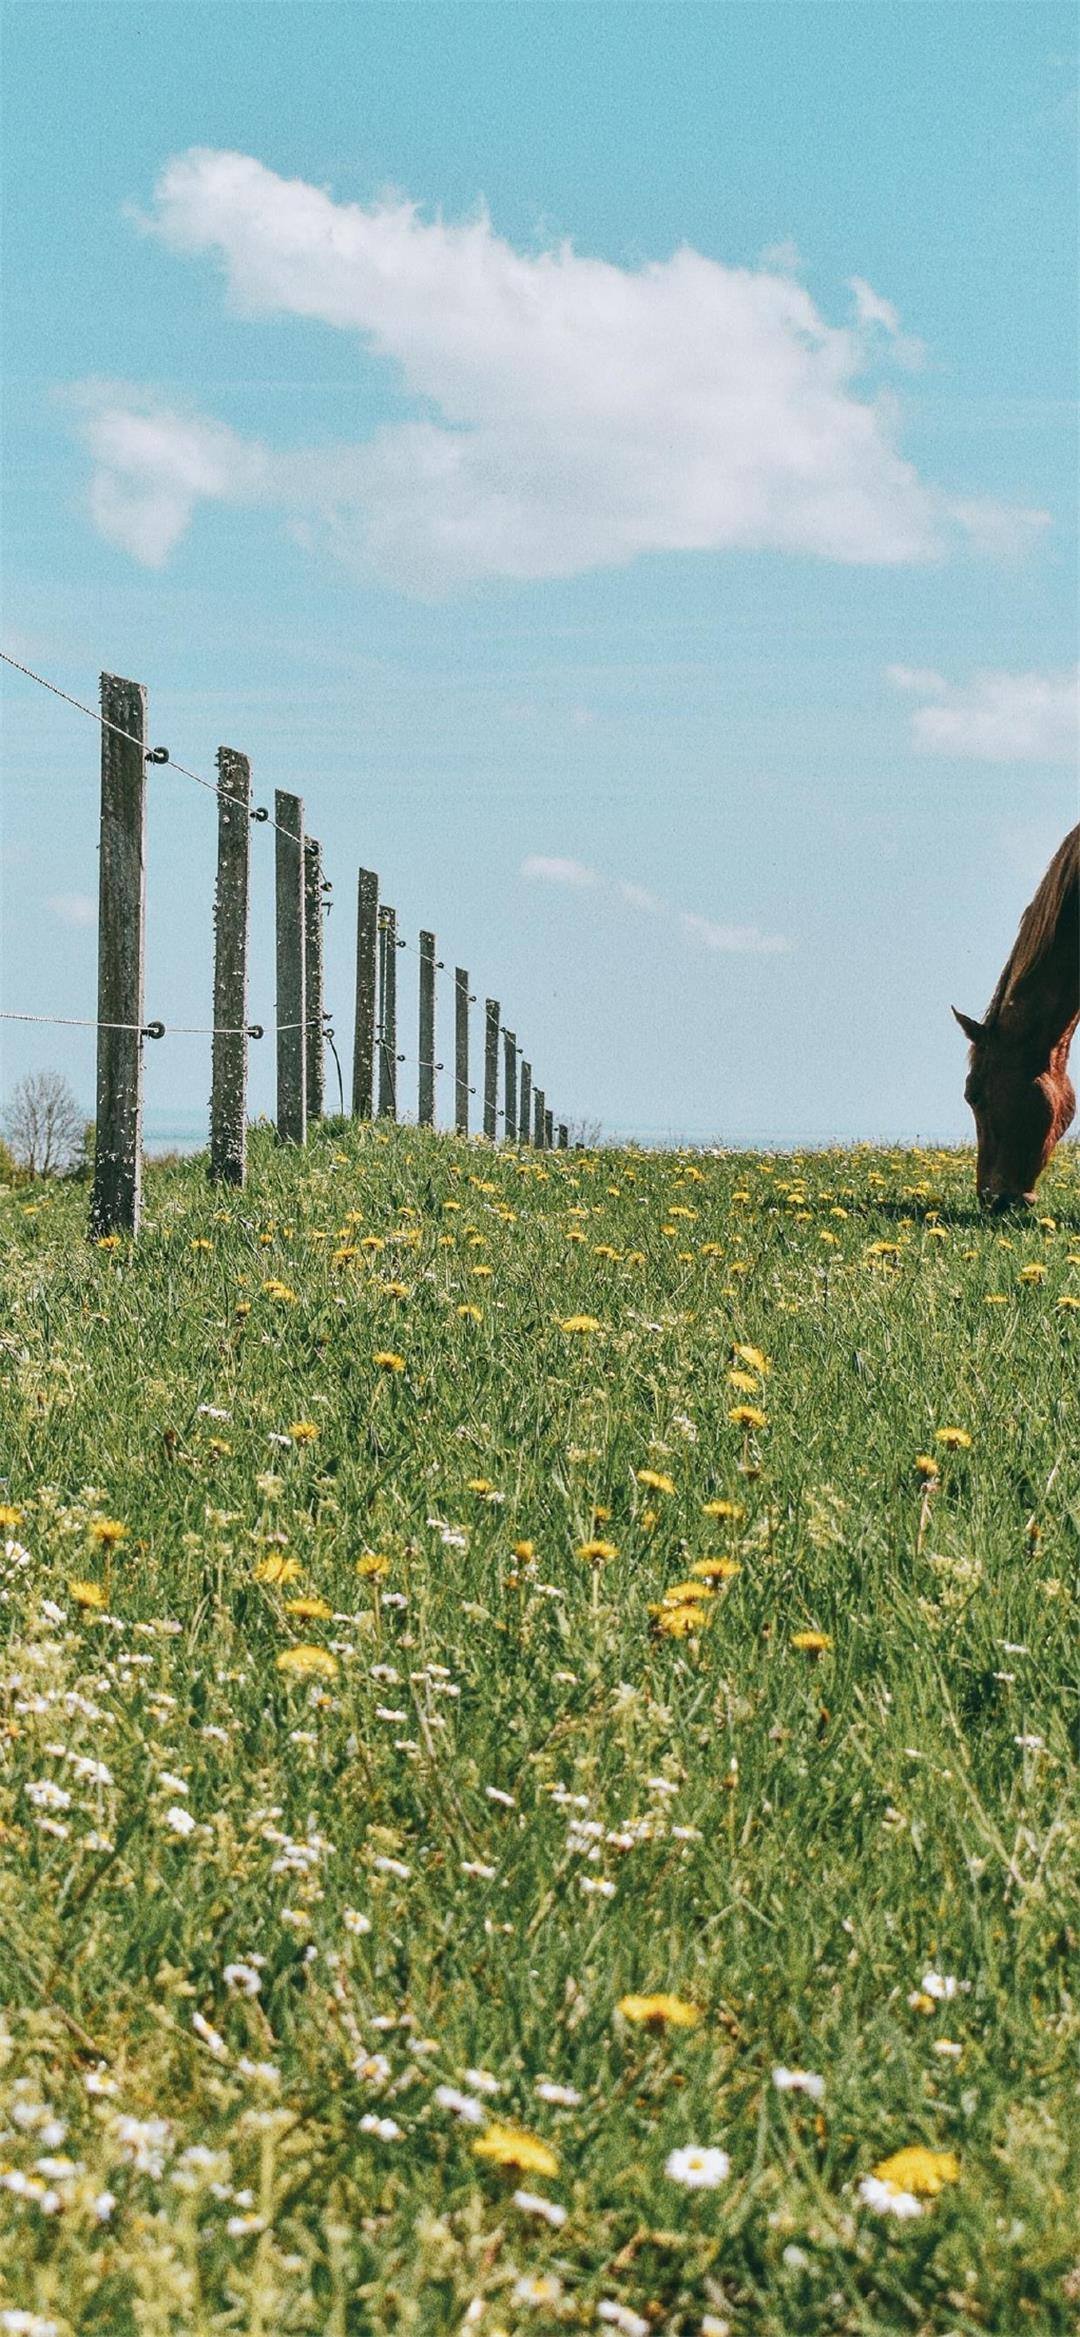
x=1043, y=1009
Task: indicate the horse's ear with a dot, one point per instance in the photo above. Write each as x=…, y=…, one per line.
x=971, y=1029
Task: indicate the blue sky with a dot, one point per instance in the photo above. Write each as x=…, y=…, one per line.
x=618, y=464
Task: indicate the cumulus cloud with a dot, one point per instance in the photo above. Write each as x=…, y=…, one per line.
x=737, y=939
x=995, y=717
x=575, y=414
x=153, y=465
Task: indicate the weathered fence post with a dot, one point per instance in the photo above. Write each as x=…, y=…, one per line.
x=228, y=1076
x=564, y=1137
x=291, y=982
x=425, y=1112
x=538, y=1118
x=525, y=1119
x=549, y=1130
x=363, y=1076
x=491, y=1067
x=313, y=976
x=117, y=1194
x=387, y=1014
x=462, y=1003
x=510, y=1087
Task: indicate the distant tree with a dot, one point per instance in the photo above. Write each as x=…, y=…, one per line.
x=43, y=1124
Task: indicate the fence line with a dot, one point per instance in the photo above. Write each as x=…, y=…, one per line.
x=303, y=897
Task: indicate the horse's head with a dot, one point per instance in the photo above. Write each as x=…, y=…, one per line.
x=1022, y=1104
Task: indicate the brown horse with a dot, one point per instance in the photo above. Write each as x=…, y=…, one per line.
x=1018, y=1084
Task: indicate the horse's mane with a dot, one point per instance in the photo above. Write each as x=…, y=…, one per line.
x=1041, y=922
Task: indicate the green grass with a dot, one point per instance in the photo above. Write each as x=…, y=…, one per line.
x=800, y=1839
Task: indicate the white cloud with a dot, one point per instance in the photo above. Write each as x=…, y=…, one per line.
x=996, y=717
x=555, y=871
x=743, y=940
x=73, y=908
x=636, y=897
x=153, y=465
x=577, y=414
x=784, y=256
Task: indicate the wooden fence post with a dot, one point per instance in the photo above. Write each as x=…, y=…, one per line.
x=425, y=1112
x=313, y=977
x=510, y=1087
x=491, y=1068
x=387, y=1014
x=363, y=1076
x=117, y=1195
x=549, y=1130
x=538, y=1118
x=462, y=1003
x=524, y=1105
x=291, y=982
x=564, y=1137
x=228, y=1077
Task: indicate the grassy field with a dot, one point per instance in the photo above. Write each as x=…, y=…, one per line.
x=539, y=1749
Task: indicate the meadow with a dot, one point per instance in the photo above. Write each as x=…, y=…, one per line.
x=538, y=1712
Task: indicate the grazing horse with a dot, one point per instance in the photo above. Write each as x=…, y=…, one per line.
x=1018, y=1084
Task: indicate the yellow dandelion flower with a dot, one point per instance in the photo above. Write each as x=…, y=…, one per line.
x=747, y=1416
x=926, y=1465
x=716, y=1569
x=1032, y=1273
x=107, y=1532
x=514, y=2146
x=276, y=1567
x=660, y=2012
x=302, y=1431
x=471, y=1313
x=955, y=1440
x=108, y=1241
x=280, y=1291
x=484, y=1272
x=682, y=1621
x=524, y=1551
x=680, y=1594
x=218, y=1445
x=924, y=2172
x=732, y=1509
x=87, y=1594
x=753, y=1358
x=311, y=1610
x=388, y=1362
x=600, y=1515
x=1069, y=1304
x=372, y=1564
x=396, y=1289
x=9, y=1517
x=597, y=1551
x=307, y=1663
x=579, y=1323
x=242, y=1311
x=656, y=1480
x=480, y=1485
x=811, y=1642
x=745, y=1381
x=995, y=1298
